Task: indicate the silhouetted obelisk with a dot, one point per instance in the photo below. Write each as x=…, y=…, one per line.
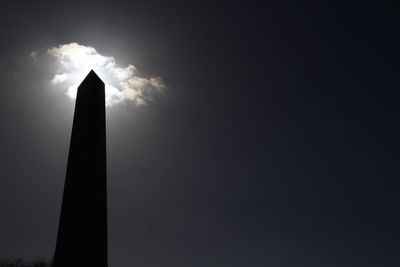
x=82, y=231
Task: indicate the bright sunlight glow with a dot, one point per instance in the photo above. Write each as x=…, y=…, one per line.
x=74, y=61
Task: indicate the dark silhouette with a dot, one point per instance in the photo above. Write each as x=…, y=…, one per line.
x=82, y=231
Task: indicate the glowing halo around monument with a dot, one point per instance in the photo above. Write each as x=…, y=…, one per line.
x=74, y=61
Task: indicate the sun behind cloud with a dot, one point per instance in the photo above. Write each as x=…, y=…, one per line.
x=74, y=61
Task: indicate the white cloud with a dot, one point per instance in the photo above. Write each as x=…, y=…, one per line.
x=59, y=78
x=74, y=61
x=33, y=55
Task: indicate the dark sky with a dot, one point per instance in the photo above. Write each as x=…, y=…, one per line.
x=274, y=144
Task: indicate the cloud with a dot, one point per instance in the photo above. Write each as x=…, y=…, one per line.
x=59, y=78
x=33, y=55
x=74, y=61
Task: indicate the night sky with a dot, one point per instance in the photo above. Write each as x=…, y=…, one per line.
x=274, y=142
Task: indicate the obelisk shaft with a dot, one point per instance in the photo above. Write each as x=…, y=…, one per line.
x=82, y=232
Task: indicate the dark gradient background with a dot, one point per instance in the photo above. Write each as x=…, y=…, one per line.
x=275, y=143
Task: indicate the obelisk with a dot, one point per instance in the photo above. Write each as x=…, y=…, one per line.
x=82, y=230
